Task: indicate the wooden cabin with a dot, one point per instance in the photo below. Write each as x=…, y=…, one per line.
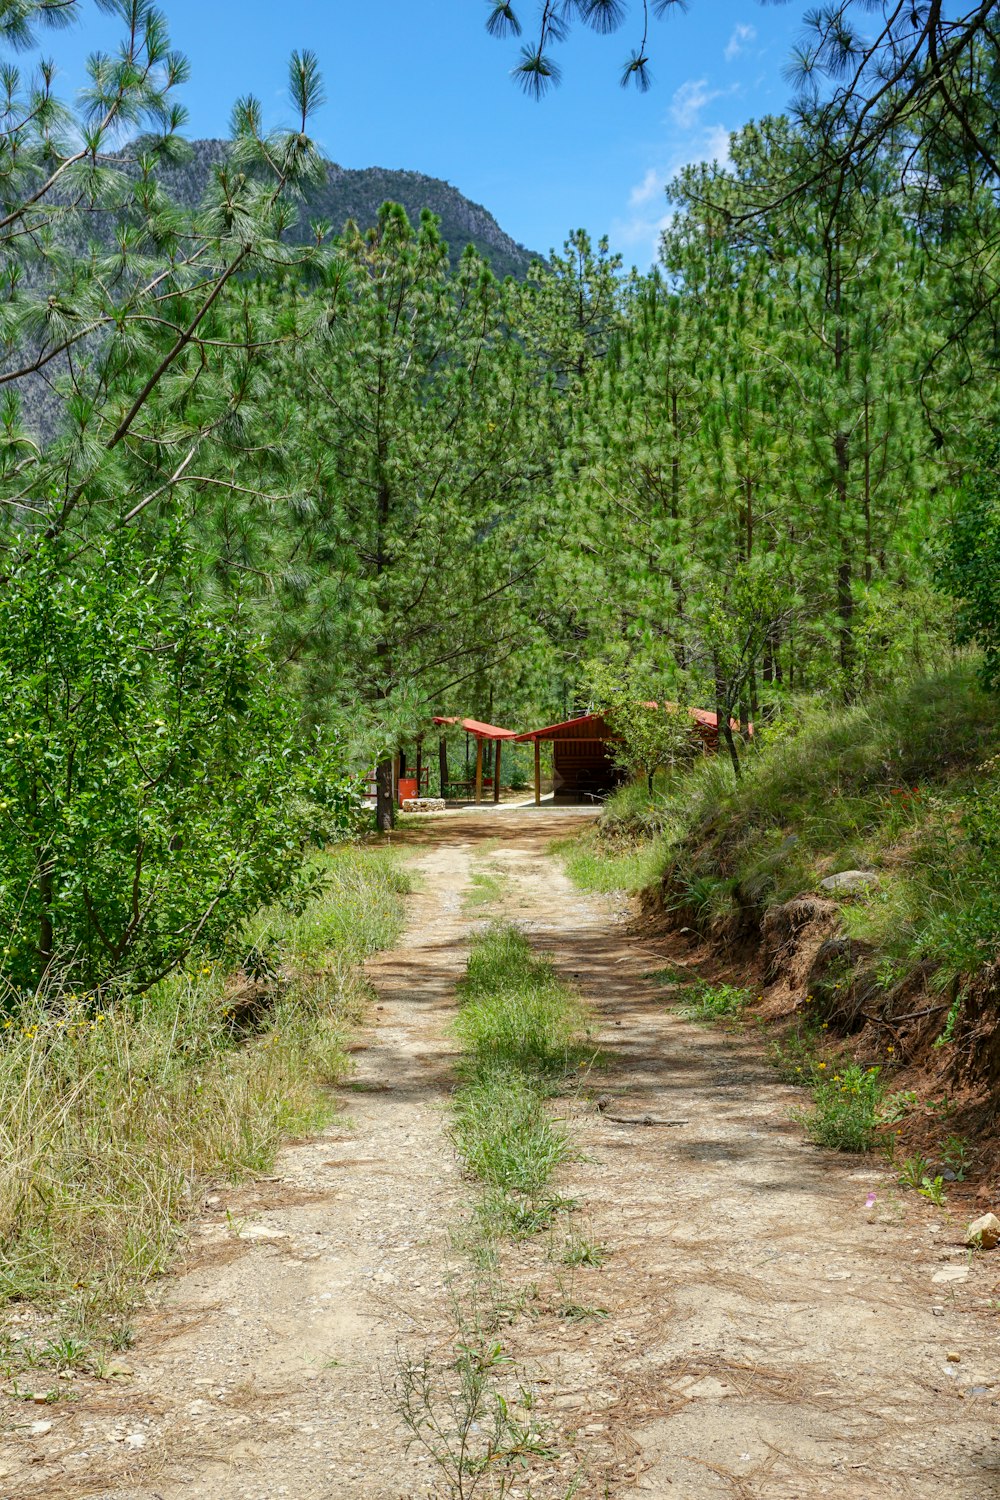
x=581, y=759
x=582, y=764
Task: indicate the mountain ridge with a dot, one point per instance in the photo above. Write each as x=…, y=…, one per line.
x=358, y=193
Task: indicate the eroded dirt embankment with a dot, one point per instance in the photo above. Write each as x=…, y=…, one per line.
x=758, y=1328
x=940, y=1042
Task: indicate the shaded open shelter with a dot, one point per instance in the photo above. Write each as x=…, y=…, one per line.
x=491, y=734
x=581, y=757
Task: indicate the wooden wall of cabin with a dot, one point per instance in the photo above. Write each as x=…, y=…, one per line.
x=582, y=765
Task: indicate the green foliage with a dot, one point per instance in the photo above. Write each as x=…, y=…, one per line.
x=914, y=1171
x=971, y=558
x=521, y=1033
x=846, y=1109
x=932, y=1188
x=649, y=736
x=149, y=778
x=111, y=1120
x=956, y=1156
x=714, y=1002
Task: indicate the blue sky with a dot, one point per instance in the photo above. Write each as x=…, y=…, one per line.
x=424, y=87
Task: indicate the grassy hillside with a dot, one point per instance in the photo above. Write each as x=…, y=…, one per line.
x=903, y=790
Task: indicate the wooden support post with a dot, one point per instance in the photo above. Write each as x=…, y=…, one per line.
x=479, y=769
x=496, y=774
x=420, y=763
x=538, y=772
x=395, y=779
x=443, y=765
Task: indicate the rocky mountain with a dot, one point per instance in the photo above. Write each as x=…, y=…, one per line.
x=351, y=193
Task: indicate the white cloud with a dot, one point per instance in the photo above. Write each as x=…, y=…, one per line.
x=689, y=101
x=650, y=187
x=739, y=41
x=639, y=231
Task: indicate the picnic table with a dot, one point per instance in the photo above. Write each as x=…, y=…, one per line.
x=460, y=789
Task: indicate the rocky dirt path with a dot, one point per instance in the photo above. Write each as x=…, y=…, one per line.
x=755, y=1330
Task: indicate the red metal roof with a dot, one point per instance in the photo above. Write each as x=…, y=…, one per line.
x=481, y=731
x=552, y=731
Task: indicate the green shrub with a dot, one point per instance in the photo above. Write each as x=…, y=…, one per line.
x=154, y=789
x=845, y=1109
x=714, y=1002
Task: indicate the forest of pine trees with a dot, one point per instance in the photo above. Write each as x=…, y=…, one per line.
x=306, y=490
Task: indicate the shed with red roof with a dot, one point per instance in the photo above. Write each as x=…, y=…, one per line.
x=582, y=763
x=481, y=732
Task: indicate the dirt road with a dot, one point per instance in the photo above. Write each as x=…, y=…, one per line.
x=756, y=1330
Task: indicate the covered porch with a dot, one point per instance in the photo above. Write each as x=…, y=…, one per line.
x=485, y=735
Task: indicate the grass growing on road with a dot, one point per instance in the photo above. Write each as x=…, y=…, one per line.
x=110, y=1118
x=523, y=1034
x=595, y=867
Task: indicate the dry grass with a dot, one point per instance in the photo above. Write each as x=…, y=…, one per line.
x=110, y=1119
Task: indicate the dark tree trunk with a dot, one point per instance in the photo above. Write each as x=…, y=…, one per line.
x=443, y=765
x=46, y=934
x=734, y=755
x=385, y=808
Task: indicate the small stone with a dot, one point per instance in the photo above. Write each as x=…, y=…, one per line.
x=262, y=1232
x=849, y=880
x=951, y=1273
x=954, y=1359
x=984, y=1232
x=39, y=1429
x=138, y=1439
x=40, y=1399
x=938, y=1312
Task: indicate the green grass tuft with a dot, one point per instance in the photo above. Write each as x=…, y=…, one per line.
x=714, y=1002
x=522, y=1035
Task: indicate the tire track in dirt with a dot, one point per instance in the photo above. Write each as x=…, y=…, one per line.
x=264, y=1371
x=755, y=1332
x=767, y=1336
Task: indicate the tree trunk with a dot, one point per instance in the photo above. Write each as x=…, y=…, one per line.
x=385, y=805
x=443, y=765
x=845, y=592
x=46, y=934
x=734, y=756
x=722, y=717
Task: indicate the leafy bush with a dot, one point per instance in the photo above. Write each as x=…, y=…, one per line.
x=845, y=1112
x=154, y=791
x=718, y=1002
